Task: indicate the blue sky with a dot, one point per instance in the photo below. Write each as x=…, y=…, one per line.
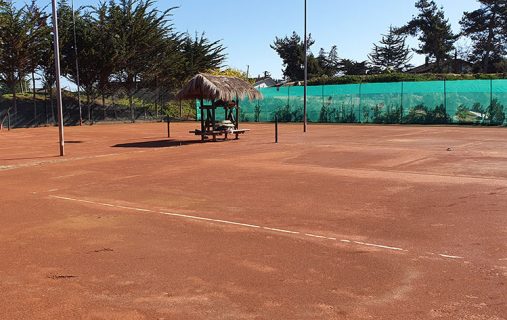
x=247, y=28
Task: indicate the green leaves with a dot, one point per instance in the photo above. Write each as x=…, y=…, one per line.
x=433, y=30
x=392, y=54
x=292, y=51
x=118, y=44
x=487, y=28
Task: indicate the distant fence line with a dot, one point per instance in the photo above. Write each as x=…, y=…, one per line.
x=461, y=101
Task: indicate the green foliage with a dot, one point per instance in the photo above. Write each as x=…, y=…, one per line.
x=462, y=113
x=486, y=28
x=495, y=112
x=477, y=107
x=401, y=77
x=200, y=54
x=283, y=114
x=433, y=30
x=351, y=67
x=124, y=47
x=20, y=37
x=390, y=116
x=230, y=72
x=328, y=63
x=257, y=113
x=292, y=51
x=349, y=116
x=286, y=114
x=327, y=114
x=420, y=114
x=392, y=54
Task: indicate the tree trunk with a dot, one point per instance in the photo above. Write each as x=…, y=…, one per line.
x=437, y=62
x=15, y=105
x=46, y=105
x=88, y=103
x=114, y=107
x=131, y=104
x=104, y=105
x=34, y=100
x=157, y=99
x=489, y=44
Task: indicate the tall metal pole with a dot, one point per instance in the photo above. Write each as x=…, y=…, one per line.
x=306, y=77
x=77, y=68
x=57, y=74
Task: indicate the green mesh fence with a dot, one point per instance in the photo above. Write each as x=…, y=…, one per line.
x=427, y=102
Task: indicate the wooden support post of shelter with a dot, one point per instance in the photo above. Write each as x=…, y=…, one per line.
x=218, y=92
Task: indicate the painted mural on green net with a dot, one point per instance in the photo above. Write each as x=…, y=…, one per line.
x=425, y=102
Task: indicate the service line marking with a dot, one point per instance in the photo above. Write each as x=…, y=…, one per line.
x=246, y=225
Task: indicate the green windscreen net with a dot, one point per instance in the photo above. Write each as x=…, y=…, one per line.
x=426, y=102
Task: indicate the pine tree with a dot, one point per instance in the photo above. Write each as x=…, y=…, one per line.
x=20, y=34
x=392, y=54
x=433, y=31
x=352, y=67
x=140, y=32
x=201, y=54
x=487, y=28
x=329, y=62
x=292, y=51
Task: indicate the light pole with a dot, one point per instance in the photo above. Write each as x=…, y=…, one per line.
x=57, y=75
x=305, y=116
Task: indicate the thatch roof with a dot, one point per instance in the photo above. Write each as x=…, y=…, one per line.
x=209, y=87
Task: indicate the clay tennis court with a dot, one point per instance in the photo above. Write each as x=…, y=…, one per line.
x=345, y=222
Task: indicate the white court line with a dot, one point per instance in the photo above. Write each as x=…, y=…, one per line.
x=379, y=246
x=319, y=237
x=209, y=219
x=280, y=230
x=252, y=226
x=450, y=257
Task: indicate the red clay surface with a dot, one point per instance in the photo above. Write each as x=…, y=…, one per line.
x=345, y=222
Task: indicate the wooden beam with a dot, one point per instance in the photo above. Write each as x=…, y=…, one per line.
x=202, y=119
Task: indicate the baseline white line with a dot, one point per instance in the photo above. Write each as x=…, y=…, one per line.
x=379, y=246
x=280, y=230
x=315, y=236
x=235, y=223
x=209, y=219
x=450, y=257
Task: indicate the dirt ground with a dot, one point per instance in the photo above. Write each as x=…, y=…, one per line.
x=344, y=222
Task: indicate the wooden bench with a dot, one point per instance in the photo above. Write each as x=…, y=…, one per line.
x=216, y=133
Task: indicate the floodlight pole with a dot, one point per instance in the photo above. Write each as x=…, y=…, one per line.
x=305, y=116
x=77, y=67
x=57, y=75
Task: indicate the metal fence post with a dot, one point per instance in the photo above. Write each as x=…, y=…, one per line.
x=401, y=102
x=360, y=100
x=276, y=128
x=168, y=127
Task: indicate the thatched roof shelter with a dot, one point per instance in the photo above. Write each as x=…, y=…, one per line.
x=209, y=87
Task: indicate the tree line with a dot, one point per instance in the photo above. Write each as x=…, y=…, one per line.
x=486, y=28
x=126, y=45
